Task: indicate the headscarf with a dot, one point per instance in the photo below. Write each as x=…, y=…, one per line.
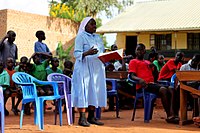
x=83, y=24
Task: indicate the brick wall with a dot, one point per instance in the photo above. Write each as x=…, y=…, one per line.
x=26, y=24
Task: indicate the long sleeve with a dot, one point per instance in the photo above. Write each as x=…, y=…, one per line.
x=78, y=50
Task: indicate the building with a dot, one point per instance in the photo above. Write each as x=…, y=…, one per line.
x=168, y=25
x=26, y=24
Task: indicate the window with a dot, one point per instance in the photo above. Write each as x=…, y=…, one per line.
x=161, y=41
x=193, y=41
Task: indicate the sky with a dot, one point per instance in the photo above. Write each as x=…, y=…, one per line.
x=30, y=6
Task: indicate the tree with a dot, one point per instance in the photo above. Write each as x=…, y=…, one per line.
x=66, y=11
x=92, y=7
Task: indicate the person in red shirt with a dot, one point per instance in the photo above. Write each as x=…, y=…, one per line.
x=141, y=70
x=171, y=66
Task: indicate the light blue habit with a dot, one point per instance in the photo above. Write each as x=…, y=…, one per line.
x=88, y=80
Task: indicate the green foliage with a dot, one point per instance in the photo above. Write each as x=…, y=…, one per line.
x=76, y=10
x=66, y=11
x=63, y=54
x=92, y=7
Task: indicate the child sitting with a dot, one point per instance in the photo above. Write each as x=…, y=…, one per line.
x=4, y=82
x=22, y=67
x=68, y=65
x=54, y=66
x=38, y=70
x=12, y=88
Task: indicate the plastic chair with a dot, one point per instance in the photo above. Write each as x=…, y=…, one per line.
x=148, y=99
x=173, y=80
x=2, y=110
x=28, y=85
x=112, y=92
x=64, y=85
x=166, y=83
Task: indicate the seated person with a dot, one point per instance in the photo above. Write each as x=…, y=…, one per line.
x=38, y=70
x=119, y=65
x=192, y=65
x=4, y=82
x=153, y=55
x=140, y=71
x=125, y=91
x=14, y=91
x=159, y=63
x=22, y=67
x=54, y=66
x=68, y=65
x=153, y=67
x=171, y=66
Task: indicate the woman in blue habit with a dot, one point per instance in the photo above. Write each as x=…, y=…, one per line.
x=88, y=80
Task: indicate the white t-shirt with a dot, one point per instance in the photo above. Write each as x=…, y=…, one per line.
x=187, y=67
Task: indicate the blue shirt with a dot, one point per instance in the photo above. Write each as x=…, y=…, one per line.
x=41, y=47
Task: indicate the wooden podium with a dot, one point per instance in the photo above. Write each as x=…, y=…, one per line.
x=184, y=76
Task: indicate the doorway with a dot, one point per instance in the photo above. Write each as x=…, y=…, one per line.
x=131, y=43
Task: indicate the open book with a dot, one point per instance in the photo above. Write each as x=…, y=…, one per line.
x=113, y=55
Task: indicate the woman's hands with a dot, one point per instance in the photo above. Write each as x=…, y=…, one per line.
x=91, y=51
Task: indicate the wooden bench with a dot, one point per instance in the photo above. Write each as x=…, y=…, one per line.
x=184, y=76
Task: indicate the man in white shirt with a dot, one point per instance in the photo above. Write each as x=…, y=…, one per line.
x=193, y=65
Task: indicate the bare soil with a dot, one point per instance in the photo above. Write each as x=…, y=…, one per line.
x=112, y=124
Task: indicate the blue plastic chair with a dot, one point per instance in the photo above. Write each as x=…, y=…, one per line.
x=2, y=110
x=112, y=92
x=148, y=99
x=173, y=80
x=64, y=85
x=28, y=86
x=166, y=83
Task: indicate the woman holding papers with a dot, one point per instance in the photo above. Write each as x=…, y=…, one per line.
x=88, y=80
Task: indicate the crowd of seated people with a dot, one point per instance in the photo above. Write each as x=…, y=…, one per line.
x=125, y=91
x=43, y=64
x=146, y=72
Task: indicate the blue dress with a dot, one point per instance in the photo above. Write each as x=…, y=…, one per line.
x=88, y=80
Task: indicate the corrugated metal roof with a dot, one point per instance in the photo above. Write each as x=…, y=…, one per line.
x=168, y=15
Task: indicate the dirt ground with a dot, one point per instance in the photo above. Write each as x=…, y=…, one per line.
x=112, y=124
